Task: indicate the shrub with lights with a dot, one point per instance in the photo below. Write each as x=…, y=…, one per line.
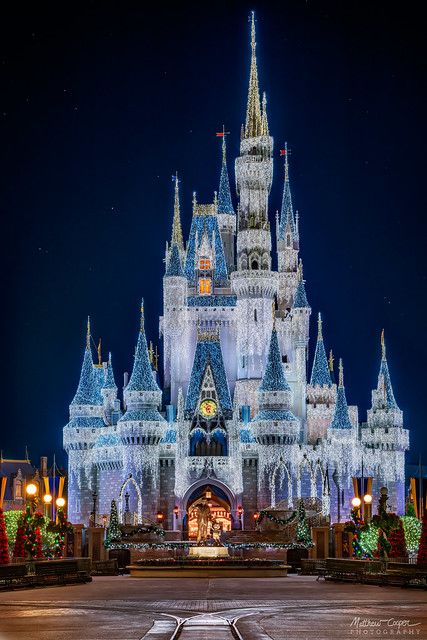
x=4, y=547
x=422, y=549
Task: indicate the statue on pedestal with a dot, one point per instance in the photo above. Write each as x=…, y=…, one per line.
x=203, y=519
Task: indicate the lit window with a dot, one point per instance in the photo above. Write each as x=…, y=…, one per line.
x=204, y=264
x=205, y=286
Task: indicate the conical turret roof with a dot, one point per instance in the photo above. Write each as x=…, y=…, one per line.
x=320, y=373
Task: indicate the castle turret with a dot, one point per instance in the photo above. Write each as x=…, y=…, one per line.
x=109, y=394
x=173, y=325
x=341, y=423
x=253, y=282
x=321, y=393
x=287, y=246
x=226, y=214
x=142, y=426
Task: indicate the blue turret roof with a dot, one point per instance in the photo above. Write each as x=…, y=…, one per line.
x=287, y=212
x=85, y=389
x=384, y=372
x=300, y=298
x=208, y=352
x=341, y=419
x=225, y=204
x=174, y=267
x=274, y=377
x=109, y=382
x=98, y=382
x=320, y=373
x=200, y=225
x=142, y=376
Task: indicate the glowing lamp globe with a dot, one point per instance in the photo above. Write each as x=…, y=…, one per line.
x=31, y=490
x=47, y=499
x=60, y=502
x=356, y=502
x=367, y=498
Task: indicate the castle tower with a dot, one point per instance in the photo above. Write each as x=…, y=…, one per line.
x=226, y=214
x=79, y=437
x=141, y=428
x=321, y=393
x=253, y=282
x=275, y=427
x=174, y=325
x=112, y=411
x=300, y=331
x=385, y=438
x=287, y=246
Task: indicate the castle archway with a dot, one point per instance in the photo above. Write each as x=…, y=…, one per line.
x=130, y=500
x=221, y=501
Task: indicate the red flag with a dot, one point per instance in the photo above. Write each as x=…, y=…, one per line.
x=282, y=152
x=220, y=134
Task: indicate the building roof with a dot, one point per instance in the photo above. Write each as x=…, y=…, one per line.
x=287, y=213
x=142, y=375
x=109, y=382
x=85, y=390
x=206, y=226
x=320, y=373
x=174, y=266
x=274, y=376
x=225, y=204
x=208, y=352
x=341, y=419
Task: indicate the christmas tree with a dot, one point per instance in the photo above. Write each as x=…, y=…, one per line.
x=397, y=543
x=422, y=549
x=114, y=533
x=356, y=529
x=383, y=545
x=303, y=534
x=4, y=547
x=19, y=548
x=38, y=543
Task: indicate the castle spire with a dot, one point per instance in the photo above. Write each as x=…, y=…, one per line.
x=225, y=204
x=142, y=377
x=177, y=237
x=287, y=213
x=341, y=419
x=264, y=119
x=320, y=373
x=300, y=297
x=109, y=382
x=274, y=377
x=384, y=377
x=253, y=111
x=86, y=387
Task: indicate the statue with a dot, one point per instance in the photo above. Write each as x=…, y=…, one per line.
x=203, y=518
x=216, y=532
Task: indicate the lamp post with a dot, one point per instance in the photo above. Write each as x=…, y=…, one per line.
x=47, y=500
x=31, y=491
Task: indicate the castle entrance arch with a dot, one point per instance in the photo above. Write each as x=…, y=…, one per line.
x=130, y=502
x=221, y=502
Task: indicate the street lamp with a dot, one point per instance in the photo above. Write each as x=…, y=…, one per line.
x=60, y=502
x=31, y=491
x=356, y=502
x=47, y=499
x=367, y=499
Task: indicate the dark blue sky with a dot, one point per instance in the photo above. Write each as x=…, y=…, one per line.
x=101, y=102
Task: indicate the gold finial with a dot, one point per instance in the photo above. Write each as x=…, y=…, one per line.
x=224, y=148
x=253, y=111
x=319, y=327
x=341, y=373
x=382, y=345
x=331, y=361
x=177, y=237
x=88, y=334
x=99, y=353
x=142, y=316
x=156, y=360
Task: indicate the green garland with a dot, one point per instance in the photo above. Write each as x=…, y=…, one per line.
x=187, y=545
x=282, y=521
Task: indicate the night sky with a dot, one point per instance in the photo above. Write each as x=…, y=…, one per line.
x=100, y=103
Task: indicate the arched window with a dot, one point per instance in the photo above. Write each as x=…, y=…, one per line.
x=254, y=265
x=205, y=286
x=255, y=316
x=18, y=489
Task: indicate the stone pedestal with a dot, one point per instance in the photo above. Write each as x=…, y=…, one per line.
x=208, y=552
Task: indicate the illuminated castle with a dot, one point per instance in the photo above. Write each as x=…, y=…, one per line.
x=239, y=414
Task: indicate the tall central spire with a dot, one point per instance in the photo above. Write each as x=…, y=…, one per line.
x=253, y=112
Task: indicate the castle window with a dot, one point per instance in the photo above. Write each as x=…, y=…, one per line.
x=18, y=489
x=255, y=315
x=204, y=264
x=254, y=265
x=205, y=286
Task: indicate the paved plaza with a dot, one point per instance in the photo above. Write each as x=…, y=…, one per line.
x=292, y=608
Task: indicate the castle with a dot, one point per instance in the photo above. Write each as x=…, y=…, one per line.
x=243, y=418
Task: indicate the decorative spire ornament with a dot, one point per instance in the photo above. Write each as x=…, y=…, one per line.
x=331, y=361
x=341, y=374
x=177, y=236
x=88, y=334
x=383, y=355
x=141, y=327
x=253, y=111
x=99, y=353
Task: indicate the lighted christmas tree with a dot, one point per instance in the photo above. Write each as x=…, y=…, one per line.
x=356, y=529
x=383, y=545
x=60, y=528
x=114, y=533
x=4, y=546
x=19, y=548
x=303, y=534
x=397, y=543
x=422, y=549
